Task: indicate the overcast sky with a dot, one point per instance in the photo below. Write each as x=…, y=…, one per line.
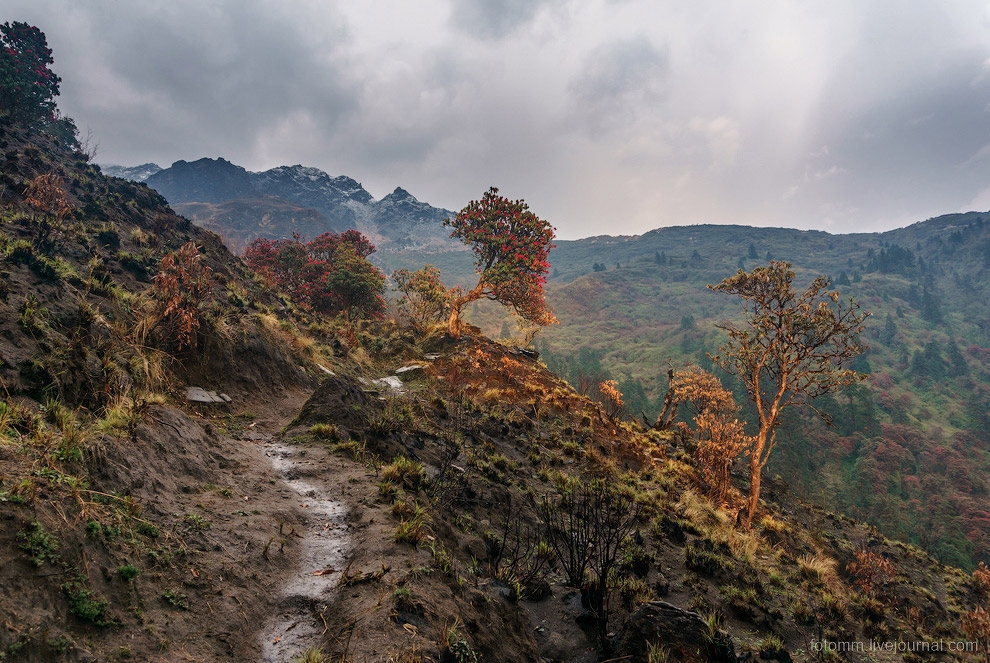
x=607, y=116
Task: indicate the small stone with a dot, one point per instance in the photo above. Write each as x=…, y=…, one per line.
x=390, y=382
x=200, y=395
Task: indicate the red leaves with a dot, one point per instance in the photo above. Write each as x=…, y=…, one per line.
x=511, y=245
x=46, y=194
x=329, y=274
x=182, y=284
x=27, y=86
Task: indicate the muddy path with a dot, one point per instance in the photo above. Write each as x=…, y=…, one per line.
x=321, y=546
x=314, y=546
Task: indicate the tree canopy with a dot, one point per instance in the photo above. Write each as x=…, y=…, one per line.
x=792, y=348
x=329, y=275
x=511, y=247
x=28, y=86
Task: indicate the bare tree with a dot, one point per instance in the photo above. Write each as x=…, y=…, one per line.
x=792, y=348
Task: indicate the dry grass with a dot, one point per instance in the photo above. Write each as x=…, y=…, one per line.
x=819, y=568
x=771, y=524
x=703, y=513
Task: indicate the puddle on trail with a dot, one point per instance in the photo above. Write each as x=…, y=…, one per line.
x=321, y=559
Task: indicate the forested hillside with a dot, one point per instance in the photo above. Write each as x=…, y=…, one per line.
x=908, y=450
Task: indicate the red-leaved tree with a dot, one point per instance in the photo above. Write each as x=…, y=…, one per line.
x=28, y=86
x=511, y=246
x=329, y=275
x=182, y=285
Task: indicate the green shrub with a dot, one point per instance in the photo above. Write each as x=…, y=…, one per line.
x=128, y=572
x=40, y=545
x=327, y=432
x=176, y=599
x=86, y=604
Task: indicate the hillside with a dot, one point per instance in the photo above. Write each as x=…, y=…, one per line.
x=629, y=306
x=357, y=516
x=928, y=395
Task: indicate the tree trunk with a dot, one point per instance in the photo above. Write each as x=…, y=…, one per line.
x=755, y=474
x=454, y=322
x=756, y=463
x=669, y=411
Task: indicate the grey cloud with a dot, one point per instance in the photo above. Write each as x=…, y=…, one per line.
x=619, y=79
x=904, y=117
x=628, y=112
x=493, y=19
x=197, y=78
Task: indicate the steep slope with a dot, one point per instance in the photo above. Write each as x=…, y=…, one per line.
x=928, y=287
x=476, y=456
x=630, y=305
x=134, y=520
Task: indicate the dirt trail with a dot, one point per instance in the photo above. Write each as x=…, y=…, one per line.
x=319, y=553
x=321, y=556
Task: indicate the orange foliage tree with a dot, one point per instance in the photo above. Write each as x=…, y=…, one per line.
x=720, y=437
x=425, y=299
x=511, y=247
x=611, y=400
x=792, y=348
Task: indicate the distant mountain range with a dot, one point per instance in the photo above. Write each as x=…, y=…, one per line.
x=241, y=205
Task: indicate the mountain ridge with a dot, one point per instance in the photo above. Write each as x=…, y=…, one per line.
x=322, y=202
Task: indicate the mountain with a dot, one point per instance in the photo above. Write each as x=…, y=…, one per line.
x=241, y=205
x=132, y=173
x=242, y=220
x=915, y=432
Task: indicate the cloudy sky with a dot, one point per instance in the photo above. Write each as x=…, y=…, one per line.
x=607, y=116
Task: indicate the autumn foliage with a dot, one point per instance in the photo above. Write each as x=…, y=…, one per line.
x=611, y=400
x=792, y=348
x=718, y=436
x=28, y=86
x=328, y=275
x=46, y=194
x=870, y=571
x=182, y=285
x=976, y=622
x=425, y=299
x=511, y=247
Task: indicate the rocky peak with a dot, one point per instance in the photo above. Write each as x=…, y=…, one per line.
x=204, y=181
x=132, y=173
